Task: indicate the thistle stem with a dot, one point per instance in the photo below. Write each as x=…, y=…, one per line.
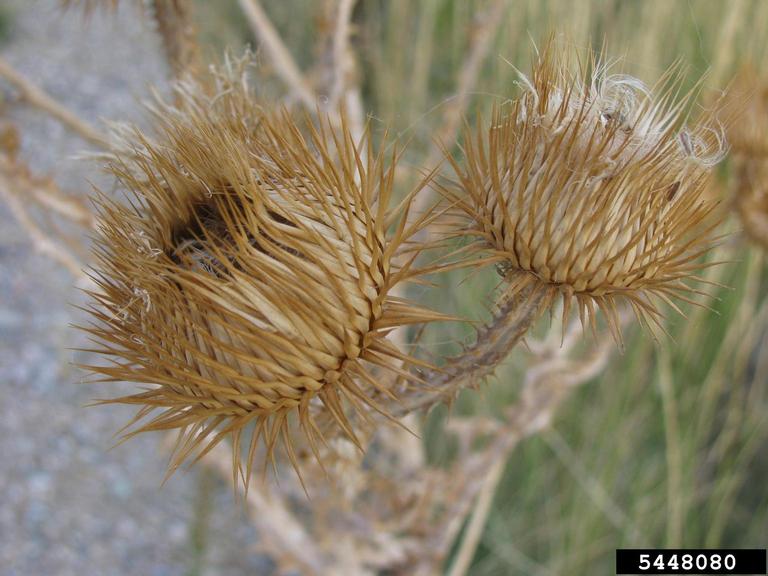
x=477, y=522
x=283, y=62
x=43, y=243
x=544, y=391
x=481, y=40
x=178, y=35
x=282, y=533
x=494, y=341
x=39, y=98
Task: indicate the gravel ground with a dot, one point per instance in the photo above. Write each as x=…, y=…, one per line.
x=69, y=505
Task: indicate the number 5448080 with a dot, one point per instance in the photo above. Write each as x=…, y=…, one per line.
x=687, y=562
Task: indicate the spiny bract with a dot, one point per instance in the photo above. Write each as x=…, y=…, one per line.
x=588, y=186
x=247, y=281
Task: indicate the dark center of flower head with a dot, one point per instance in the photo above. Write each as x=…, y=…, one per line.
x=211, y=238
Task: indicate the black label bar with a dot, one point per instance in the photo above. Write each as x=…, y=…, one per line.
x=650, y=561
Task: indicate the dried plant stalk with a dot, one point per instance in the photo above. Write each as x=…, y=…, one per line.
x=22, y=191
x=283, y=62
x=281, y=534
x=178, y=34
x=548, y=383
x=492, y=345
x=175, y=25
x=42, y=242
x=37, y=97
x=484, y=33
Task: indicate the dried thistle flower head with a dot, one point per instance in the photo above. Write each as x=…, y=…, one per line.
x=747, y=102
x=747, y=135
x=248, y=281
x=751, y=201
x=587, y=186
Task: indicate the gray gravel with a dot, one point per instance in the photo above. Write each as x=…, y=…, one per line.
x=69, y=505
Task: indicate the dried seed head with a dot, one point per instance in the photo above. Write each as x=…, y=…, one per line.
x=588, y=186
x=248, y=281
x=751, y=199
x=747, y=134
x=748, y=102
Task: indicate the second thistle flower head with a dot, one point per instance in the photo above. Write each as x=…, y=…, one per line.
x=247, y=283
x=747, y=135
x=589, y=186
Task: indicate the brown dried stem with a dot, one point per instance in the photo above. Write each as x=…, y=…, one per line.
x=477, y=522
x=492, y=345
x=45, y=192
x=543, y=393
x=35, y=96
x=486, y=27
x=283, y=63
x=178, y=34
x=340, y=50
x=280, y=532
x=49, y=196
x=344, y=87
x=40, y=240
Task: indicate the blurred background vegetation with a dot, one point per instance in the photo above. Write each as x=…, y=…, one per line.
x=668, y=447
x=5, y=20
